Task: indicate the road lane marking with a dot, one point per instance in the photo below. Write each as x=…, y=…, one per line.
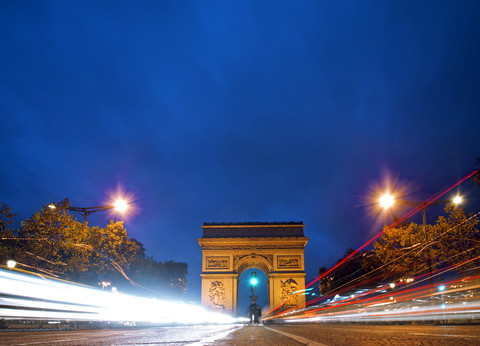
x=450, y=335
x=296, y=337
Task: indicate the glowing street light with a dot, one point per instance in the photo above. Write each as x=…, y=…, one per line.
x=253, y=282
x=120, y=205
x=457, y=200
x=11, y=264
x=386, y=201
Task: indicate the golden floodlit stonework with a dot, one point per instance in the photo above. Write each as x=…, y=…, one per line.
x=229, y=249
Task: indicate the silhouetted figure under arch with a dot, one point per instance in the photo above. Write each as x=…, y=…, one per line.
x=254, y=312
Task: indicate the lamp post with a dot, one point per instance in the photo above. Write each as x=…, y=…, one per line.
x=387, y=201
x=120, y=205
x=253, y=282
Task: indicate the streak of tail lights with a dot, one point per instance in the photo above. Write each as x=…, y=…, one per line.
x=24, y=296
x=277, y=313
x=412, y=299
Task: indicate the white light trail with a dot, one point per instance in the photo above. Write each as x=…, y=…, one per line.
x=32, y=297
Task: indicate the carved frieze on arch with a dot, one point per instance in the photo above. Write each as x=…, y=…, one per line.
x=289, y=286
x=216, y=294
x=217, y=262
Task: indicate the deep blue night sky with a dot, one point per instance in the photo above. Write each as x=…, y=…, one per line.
x=236, y=111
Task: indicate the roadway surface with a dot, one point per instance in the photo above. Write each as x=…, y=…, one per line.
x=270, y=334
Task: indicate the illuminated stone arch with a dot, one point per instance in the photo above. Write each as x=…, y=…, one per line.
x=229, y=249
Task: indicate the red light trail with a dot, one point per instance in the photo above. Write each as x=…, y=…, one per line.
x=412, y=212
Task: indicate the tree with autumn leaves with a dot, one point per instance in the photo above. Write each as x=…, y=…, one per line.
x=403, y=252
x=7, y=237
x=408, y=251
x=476, y=177
x=53, y=242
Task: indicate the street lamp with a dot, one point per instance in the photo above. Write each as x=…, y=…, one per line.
x=457, y=200
x=253, y=282
x=119, y=205
x=11, y=264
x=253, y=279
x=387, y=201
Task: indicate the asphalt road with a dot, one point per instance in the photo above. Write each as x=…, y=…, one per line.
x=272, y=334
x=342, y=334
x=190, y=335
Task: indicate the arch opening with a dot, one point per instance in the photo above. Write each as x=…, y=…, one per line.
x=245, y=292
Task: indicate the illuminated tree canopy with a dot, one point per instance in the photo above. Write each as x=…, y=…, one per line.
x=54, y=243
x=405, y=251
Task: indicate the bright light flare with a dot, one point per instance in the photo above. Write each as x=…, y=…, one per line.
x=30, y=297
x=457, y=200
x=386, y=201
x=120, y=205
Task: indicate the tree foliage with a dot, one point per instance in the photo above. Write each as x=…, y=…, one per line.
x=456, y=238
x=7, y=236
x=112, y=251
x=6, y=216
x=346, y=273
x=53, y=242
x=402, y=252
x=161, y=277
x=406, y=251
x=48, y=242
x=476, y=177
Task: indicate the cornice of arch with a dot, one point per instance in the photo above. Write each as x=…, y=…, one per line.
x=257, y=243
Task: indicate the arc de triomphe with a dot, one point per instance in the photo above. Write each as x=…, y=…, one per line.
x=228, y=249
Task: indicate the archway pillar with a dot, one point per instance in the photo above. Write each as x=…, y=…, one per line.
x=219, y=291
x=283, y=288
